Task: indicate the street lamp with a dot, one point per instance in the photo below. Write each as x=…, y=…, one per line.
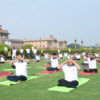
x=75, y=43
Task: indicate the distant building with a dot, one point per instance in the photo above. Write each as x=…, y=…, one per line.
x=3, y=35
x=4, y=39
x=50, y=42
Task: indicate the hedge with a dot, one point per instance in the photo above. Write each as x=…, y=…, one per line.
x=4, y=49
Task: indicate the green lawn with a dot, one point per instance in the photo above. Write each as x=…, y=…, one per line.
x=37, y=89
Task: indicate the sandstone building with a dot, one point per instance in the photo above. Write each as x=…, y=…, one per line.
x=50, y=42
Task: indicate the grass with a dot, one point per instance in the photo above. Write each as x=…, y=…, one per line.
x=37, y=89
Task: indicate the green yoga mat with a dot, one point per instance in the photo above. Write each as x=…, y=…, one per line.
x=13, y=69
x=8, y=69
x=65, y=89
x=8, y=83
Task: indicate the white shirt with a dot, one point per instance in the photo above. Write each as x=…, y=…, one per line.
x=83, y=53
x=35, y=51
x=46, y=56
x=65, y=54
x=37, y=57
x=70, y=73
x=21, y=68
x=54, y=63
x=21, y=50
x=14, y=51
x=28, y=50
x=92, y=63
x=97, y=55
x=2, y=59
x=69, y=56
x=78, y=56
x=60, y=55
x=86, y=62
x=84, y=57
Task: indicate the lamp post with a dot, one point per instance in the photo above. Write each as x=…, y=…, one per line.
x=75, y=43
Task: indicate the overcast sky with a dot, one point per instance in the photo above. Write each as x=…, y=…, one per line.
x=65, y=19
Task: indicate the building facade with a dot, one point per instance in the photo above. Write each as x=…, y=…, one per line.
x=50, y=42
x=45, y=43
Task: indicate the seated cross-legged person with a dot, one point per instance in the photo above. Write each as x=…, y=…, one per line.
x=20, y=68
x=60, y=55
x=13, y=66
x=92, y=64
x=70, y=69
x=46, y=55
x=85, y=63
x=69, y=56
x=54, y=62
x=77, y=57
x=37, y=58
x=65, y=54
x=2, y=59
x=96, y=55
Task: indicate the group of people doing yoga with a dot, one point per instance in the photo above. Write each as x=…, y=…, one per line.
x=69, y=66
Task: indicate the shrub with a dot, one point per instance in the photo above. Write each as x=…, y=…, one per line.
x=4, y=49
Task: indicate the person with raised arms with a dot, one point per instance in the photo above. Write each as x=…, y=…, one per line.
x=21, y=51
x=85, y=58
x=14, y=52
x=20, y=68
x=69, y=56
x=70, y=69
x=97, y=55
x=46, y=55
x=54, y=62
x=92, y=63
x=60, y=55
x=28, y=52
x=37, y=57
x=77, y=56
x=65, y=54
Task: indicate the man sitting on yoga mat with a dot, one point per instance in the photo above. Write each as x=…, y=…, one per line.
x=60, y=55
x=92, y=64
x=37, y=57
x=77, y=56
x=69, y=68
x=85, y=63
x=54, y=62
x=21, y=69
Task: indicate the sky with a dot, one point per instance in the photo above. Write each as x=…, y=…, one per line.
x=65, y=19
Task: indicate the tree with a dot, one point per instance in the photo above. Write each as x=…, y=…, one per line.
x=72, y=46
